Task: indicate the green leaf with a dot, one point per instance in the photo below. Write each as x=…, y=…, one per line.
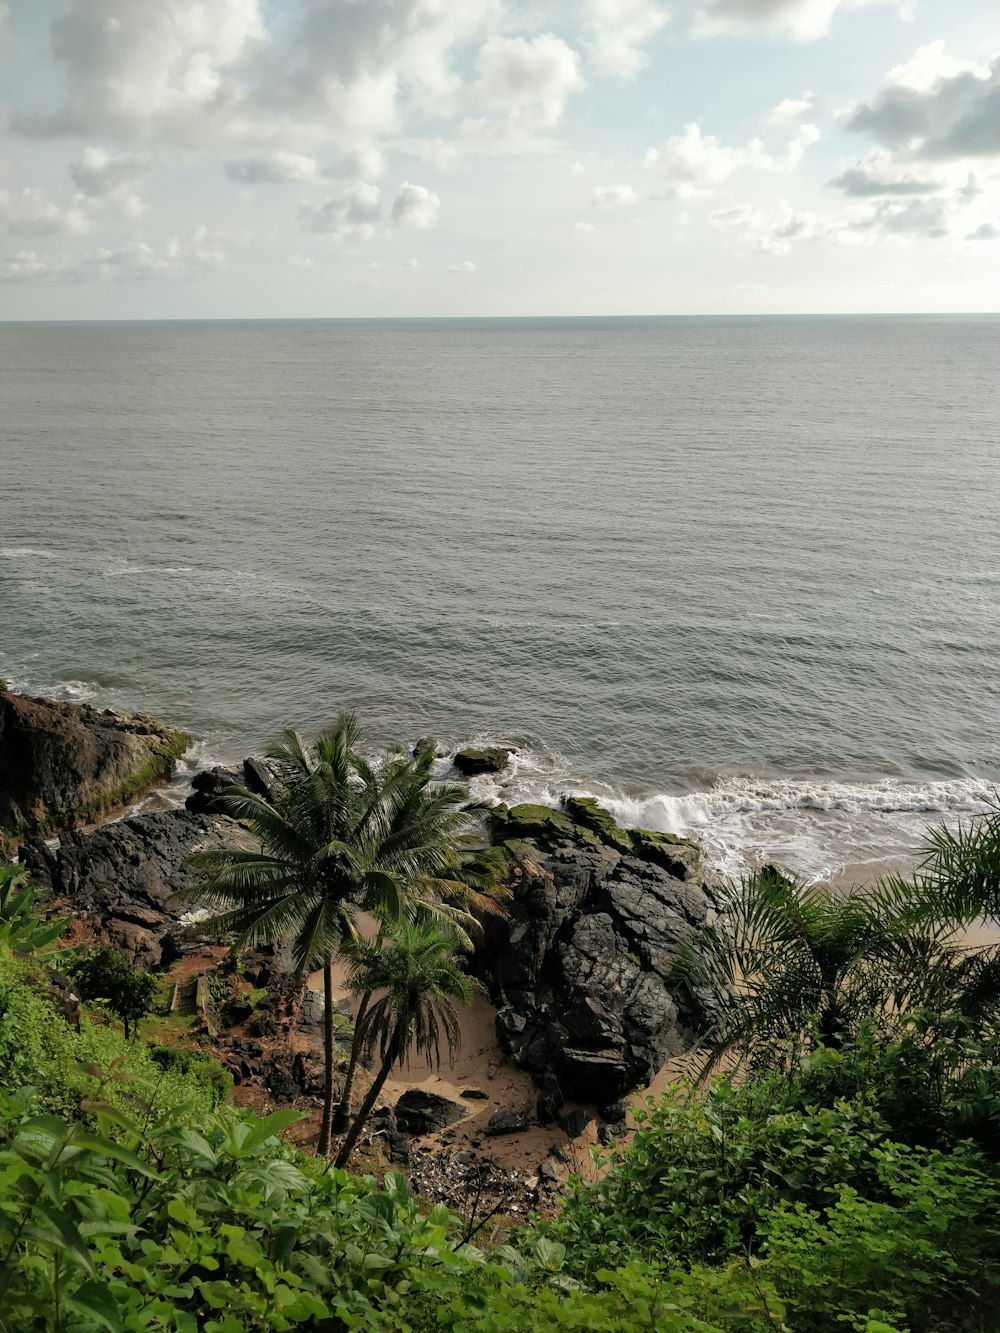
x=95, y=1300
x=73, y=1243
x=107, y=1148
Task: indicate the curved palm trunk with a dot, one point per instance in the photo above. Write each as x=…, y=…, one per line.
x=326, y=1127
x=365, y=1109
x=342, y=1115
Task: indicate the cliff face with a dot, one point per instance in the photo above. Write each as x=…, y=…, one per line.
x=65, y=764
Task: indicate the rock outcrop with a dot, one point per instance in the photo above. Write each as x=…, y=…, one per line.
x=493, y=759
x=66, y=764
x=119, y=879
x=420, y=1112
x=580, y=964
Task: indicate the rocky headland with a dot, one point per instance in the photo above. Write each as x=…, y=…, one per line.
x=62, y=765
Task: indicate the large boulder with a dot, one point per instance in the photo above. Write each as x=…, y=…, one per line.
x=492, y=759
x=580, y=964
x=119, y=880
x=67, y=764
x=419, y=1112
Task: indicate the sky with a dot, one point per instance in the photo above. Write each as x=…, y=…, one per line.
x=352, y=158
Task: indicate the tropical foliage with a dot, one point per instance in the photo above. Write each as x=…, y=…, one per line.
x=789, y=964
x=339, y=836
x=415, y=979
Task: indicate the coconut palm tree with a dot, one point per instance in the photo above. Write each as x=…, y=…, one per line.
x=788, y=963
x=339, y=836
x=413, y=978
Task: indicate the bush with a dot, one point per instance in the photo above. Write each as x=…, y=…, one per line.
x=704, y=1165
x=106, y=974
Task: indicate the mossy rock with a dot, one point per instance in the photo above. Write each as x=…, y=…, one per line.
x=67, y=764
x=681, y=857
x=517, y=822
x=592, y=818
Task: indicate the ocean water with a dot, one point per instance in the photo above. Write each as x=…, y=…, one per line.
x=739, y=577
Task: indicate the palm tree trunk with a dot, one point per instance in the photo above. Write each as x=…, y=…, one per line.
x=391, y=1056
x=342, y=1115
x=325, y=1128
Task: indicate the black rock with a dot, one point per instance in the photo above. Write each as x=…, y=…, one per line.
x=259, y=777
x=120, y=880
x=493, y=759
x=550, y=1099
x=419, y=1112
x=474, y=1095
x=579, y=965
x=506, y=1122
x=208, y=785
x=575, y=1123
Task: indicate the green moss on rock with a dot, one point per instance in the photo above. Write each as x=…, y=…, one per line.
x=680, y=856
x=66, y=764
x=528, y=821
x=591, y=817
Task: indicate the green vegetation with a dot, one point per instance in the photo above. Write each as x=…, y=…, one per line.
x=847, y=1180
x=107, y=975
x=20, y=928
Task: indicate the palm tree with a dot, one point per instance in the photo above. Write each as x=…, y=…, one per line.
x=787, y=963
x=960, y=870
x=414, y=978
x=339, y=836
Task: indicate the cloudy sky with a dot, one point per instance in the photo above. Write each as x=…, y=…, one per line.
x=225, y=158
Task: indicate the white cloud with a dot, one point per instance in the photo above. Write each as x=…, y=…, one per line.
x=465, y=266
x=351, y=216
x=803, y=20
x=99, y=173
x=254, y=74
x=302, y=262
x=795, y=110
x=415, y=206
x=614, y=196
x=274, y=169
x=986, y=231
x=920, y=217
x=411, y=263
x=201, y=252
x=148, y=70
x=936, y=108
x=584, y=228
x=27, y=265
x=528, y=79
x=616, y=32
x=879, y=174
x=929, y=65
x=694, y=163
x=365, y=164
x=30, y=212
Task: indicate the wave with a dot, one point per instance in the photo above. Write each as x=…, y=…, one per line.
x=25, y=553
x=819, y=828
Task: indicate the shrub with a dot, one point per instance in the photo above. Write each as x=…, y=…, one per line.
x=106, y=974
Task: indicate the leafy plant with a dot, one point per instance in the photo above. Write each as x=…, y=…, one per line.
x=106, y=974
x=20, y=928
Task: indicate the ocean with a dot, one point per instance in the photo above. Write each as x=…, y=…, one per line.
x=739, y=577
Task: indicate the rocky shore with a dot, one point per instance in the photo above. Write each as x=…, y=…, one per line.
x=63, y=764
x=580, y=1010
